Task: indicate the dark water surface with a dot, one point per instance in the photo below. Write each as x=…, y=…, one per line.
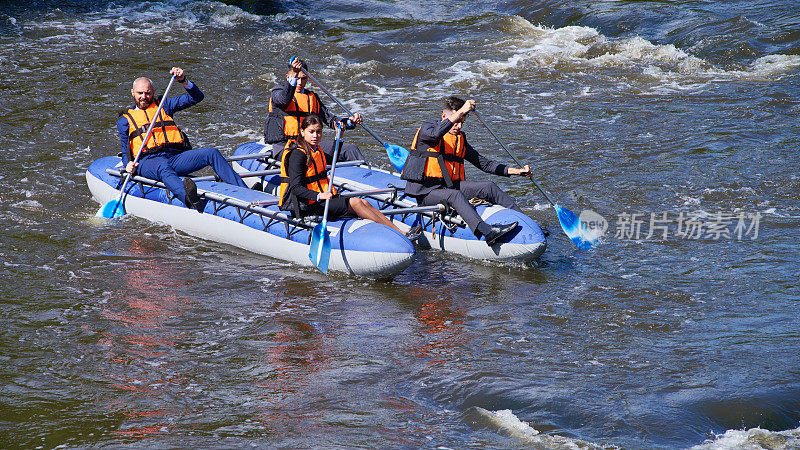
x=676, y=118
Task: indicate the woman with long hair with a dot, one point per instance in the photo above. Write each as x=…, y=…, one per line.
x=304, y=181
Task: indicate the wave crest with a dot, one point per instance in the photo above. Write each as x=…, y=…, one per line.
x=577, y=49
x=149, y=18
x=754, y=439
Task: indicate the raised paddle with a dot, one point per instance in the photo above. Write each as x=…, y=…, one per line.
x=319, y=250
x=570, y=223
x=116, y=207
x=397, y=155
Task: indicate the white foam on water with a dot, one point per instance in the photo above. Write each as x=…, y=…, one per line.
x=250, y=135
x=578, y=49
x=773, y=64
x=371, y=104
x=276, y=70
x=689, y=201
x=374, y=105
x=639, y=50
x=146, y=18
x=507, y=423
x=727, y=190
x=28, y=204
x=226, y=16
x=753, y=439
x=541, y=206
x=338, y=66
x=246, y=133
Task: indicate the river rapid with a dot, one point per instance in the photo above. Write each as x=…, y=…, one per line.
x=672, y=125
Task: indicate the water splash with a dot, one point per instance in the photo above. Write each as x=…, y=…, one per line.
x=580, y=48
x=754, y=439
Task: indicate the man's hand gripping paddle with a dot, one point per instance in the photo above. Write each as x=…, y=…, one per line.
x=397, y=155
x=116, y=207
x=570, y=223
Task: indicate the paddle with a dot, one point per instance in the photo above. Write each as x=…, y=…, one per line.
x=570, y=223
x=319, y=250
x=116, y=207
x=397, y=155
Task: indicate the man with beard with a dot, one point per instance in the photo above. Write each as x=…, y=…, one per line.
x=168, y=155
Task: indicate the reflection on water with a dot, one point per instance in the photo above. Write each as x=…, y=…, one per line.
x=440, y=334
x=128, y=333
x=293, y=359
x=141, y=343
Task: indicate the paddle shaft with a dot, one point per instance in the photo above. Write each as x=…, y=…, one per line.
x=146, y=137
x=337, y=144
x=513, y=157
x=350, y=114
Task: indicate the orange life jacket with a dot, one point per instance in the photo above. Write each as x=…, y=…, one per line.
x=301, y=106
x=448, y=153
x=315, y=178
x=165, y=132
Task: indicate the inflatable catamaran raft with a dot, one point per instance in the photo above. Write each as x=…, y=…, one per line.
x=251, y=220
x=385, y=191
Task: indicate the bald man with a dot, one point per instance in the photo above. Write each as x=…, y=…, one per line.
x=168, y=155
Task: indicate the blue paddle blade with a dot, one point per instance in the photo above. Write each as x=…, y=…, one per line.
x=575, y=229
x=319, y=251
x=397, y=156
x=112, y=209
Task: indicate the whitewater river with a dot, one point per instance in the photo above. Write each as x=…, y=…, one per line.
x=673, y=124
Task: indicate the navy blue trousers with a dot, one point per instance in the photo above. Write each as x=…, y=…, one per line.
x=169, y=166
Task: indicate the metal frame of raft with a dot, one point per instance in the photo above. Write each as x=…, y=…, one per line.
x=292, y=223
x=441, y=214
x=452, y=235
x=251, y=220
x=451, y=218
x=222, y=201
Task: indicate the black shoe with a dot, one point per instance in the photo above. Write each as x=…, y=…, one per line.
x=498, y=231
x=414, y=233
x=192, y=197
x=258, y=186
